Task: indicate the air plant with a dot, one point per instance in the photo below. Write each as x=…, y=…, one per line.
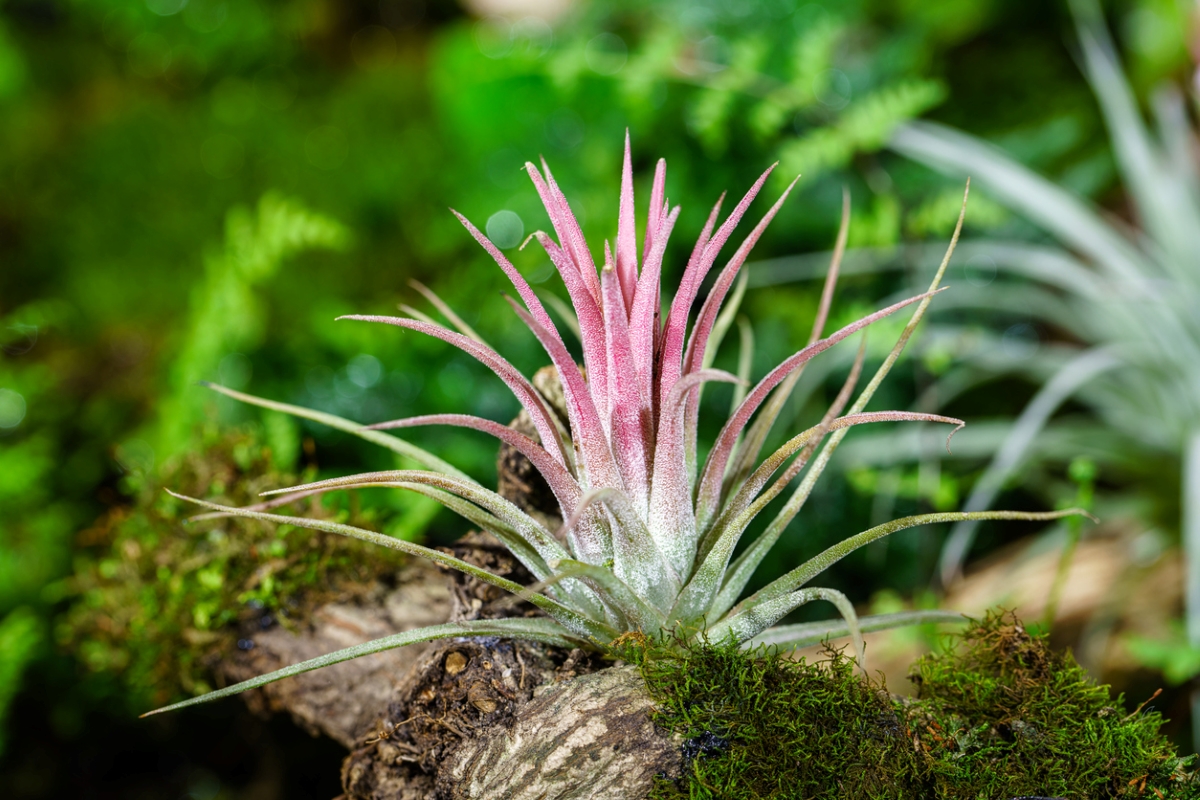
x=649, y=533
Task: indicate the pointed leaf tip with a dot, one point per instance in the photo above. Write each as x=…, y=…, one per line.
x=950, y=435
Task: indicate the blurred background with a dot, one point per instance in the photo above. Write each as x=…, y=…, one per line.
x=194, y=189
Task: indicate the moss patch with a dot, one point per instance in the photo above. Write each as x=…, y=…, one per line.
x=999, y=715
x=159, y=601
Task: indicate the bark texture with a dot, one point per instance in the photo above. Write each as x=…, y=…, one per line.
x=343, y=701
x=458, y=690
x=589, y=737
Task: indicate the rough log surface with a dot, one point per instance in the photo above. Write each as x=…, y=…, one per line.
x=343, y=701
x=485, y=718
x=457, y=690
x=589, y=737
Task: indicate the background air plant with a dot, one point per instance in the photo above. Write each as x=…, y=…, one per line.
x=1129, y=297
x=649, y=534
x=1126, y=300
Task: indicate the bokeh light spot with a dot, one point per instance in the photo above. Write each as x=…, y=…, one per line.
x=565, y=130
x=1020, y=341
x=319, y=382
x=275, y=88
x=233, y=101
x=606, y=54
x=166, y=8
x=712, y=54
x=494, y=37
x=365, y=370
x=235, y=370
x=205, y=16
x=149, y=55
x=505, y=229
x=832, y=89
x=533, y=36
x=135, y=455
x=980, y=270
x=12, y=409
x=204, y=785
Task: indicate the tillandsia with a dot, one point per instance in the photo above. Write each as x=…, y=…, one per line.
x=649, y=534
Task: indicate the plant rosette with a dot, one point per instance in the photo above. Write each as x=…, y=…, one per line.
x=649, y=533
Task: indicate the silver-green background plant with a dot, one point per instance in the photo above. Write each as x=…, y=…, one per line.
x=1132, y=297
x=1127, y=298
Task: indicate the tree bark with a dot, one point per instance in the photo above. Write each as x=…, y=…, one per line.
x=588, y=737
x=343, y=701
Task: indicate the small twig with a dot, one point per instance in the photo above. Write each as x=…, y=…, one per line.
x=1145, y=703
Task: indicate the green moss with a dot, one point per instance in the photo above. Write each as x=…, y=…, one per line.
x=759, y=725
x=158, y=601
x=999, y=715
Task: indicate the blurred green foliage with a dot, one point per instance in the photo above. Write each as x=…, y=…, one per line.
x=226, y=318
x=338, y=132
x=20, y=635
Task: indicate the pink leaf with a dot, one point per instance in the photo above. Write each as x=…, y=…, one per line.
x=752, y=443
x=708, y=496
x=671, y=517
x=566, y=226
x=530, y=400
x=598, y=468
x=697, y=268
x=630, y=422
x=591, y=322
x=643, y=319
x=698, y=343
x=627, y=270
x=712, y=304
x=657, y=192
x=591, y=326
x=560, y=481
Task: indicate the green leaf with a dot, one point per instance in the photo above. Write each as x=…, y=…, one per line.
x=745, y=565
x=535, y=630
x=642, y=616
x=830, y=556
x=393, y=443
x=585, y=628
x=752, y=620
x=807, y=634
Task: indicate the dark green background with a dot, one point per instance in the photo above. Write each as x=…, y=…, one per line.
x=136, y=136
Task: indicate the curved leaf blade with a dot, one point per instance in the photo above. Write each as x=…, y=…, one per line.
x=533, y=629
